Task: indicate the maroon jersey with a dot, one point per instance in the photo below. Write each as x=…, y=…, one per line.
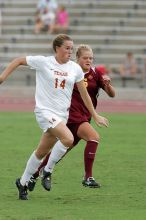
x=78, y=112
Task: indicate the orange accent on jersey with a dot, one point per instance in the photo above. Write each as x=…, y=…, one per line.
x=56, y=83
x=86, y=82
x=62, y=84
x=60, y=73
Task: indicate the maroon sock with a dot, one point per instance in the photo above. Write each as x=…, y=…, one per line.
x=89, y=155
x=43, y=164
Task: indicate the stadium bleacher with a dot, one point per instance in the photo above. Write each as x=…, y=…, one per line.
x=110, y=27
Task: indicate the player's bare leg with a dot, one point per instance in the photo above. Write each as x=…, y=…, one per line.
x=46, y=143
x=66, y=140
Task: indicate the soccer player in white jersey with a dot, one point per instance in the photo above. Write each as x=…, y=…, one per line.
x=55, y=78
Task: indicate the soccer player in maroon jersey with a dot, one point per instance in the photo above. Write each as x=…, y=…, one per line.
x=79, y=121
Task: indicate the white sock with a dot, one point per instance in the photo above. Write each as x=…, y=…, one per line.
x=31, y=167
x=56, y=154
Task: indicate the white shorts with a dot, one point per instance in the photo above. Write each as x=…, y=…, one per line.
x=47, y=120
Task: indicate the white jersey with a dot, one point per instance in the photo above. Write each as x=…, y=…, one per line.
x=54, y=83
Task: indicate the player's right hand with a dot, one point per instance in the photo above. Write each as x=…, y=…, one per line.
x=106, y=80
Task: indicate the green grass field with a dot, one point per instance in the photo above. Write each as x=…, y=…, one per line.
x=120, y=167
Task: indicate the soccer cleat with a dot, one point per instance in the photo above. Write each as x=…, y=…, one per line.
x=32, y=183
x=22, y=190
x=46, y=180
x=91, y=183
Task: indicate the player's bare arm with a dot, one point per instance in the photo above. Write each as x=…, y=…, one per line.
x=11, y=67
x=87, y=101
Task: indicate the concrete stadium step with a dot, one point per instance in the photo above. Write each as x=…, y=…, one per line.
x=99, y=58
x=95, y=23
x=90, y=4
x=31, y=43
x=95, y=12
x=80, y=4
x=110, y=33
x=30, y=48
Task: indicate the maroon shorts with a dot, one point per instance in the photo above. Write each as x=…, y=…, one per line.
x=73, y=127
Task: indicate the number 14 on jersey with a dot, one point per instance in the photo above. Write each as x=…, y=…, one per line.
x=60, y=84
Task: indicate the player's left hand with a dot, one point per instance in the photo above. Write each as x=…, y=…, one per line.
x=102, y=121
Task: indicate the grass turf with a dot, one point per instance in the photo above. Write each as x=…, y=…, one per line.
x=120, y=167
